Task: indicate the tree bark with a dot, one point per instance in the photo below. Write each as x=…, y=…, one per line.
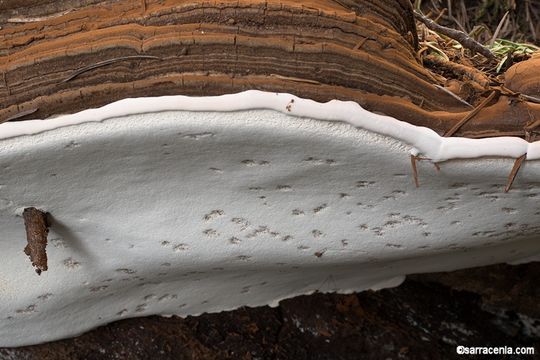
x=62, y=57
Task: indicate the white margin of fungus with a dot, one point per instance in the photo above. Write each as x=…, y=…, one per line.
x=424, y=140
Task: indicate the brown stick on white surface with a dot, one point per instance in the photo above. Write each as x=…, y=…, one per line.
x=37, y=229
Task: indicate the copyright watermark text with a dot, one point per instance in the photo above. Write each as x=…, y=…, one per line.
x=494, y=350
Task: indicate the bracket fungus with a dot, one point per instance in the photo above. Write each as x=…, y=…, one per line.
x=226, y=153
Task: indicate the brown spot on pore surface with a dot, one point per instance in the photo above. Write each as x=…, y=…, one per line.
x=37, y=229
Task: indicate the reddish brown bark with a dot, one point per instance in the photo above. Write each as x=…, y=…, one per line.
x=360, y=50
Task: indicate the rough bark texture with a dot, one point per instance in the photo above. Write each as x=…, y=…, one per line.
x=361, y=50
x=37, y=229
x=425, y=318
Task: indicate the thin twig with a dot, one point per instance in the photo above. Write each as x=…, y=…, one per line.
x=506, y=91
x=470, y=115
x=295, y=79
x=529, y=19
x=458, y=23
x=453, y=95
x=530, y=98
x=361, y=43
x=457, y=35
x=513, y=173
x=441, y=13
x=21, y=114
x=414, y=159
x=498, y=29
x=415, y=170
x=107, y=62
x=37, y=229
x=38, y=19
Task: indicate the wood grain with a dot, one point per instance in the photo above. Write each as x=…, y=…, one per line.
x=362, y=50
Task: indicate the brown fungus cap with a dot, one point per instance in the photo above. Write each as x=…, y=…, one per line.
x=64, y=57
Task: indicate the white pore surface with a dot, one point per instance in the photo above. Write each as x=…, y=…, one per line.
x=181, y=212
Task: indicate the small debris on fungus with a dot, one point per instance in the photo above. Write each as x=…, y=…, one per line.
x=513, y=173
x=37, y=229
